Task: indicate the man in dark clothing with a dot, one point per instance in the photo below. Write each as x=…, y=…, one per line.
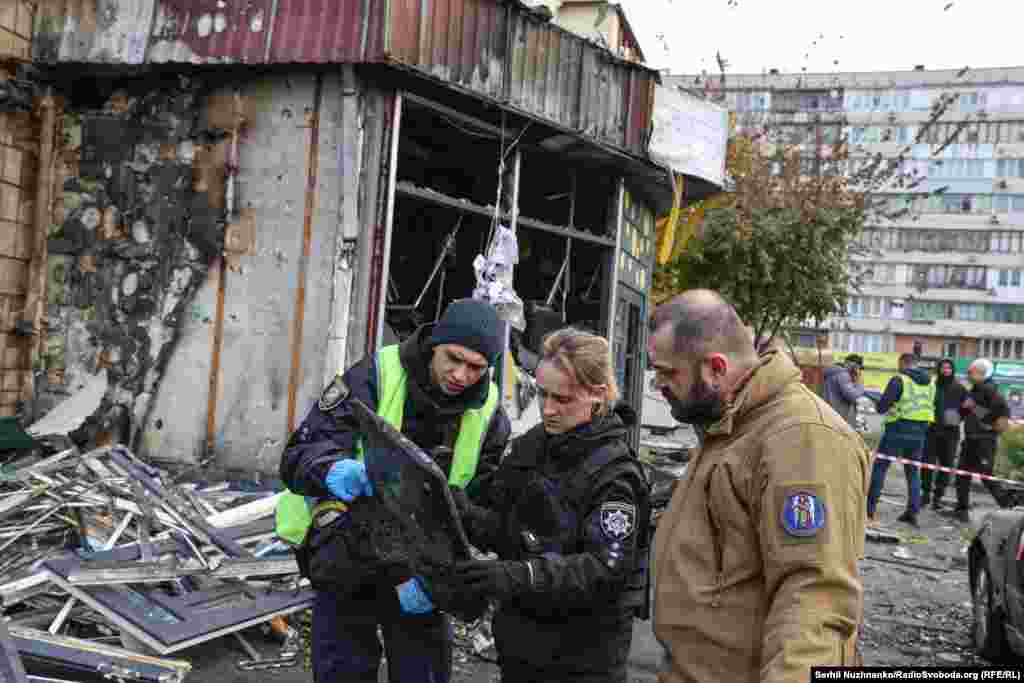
x=442, y=373
x=986, y=416
x=908, y=404
x=843, y=388
x=944, y=434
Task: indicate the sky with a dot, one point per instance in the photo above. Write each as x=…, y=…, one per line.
x=827, y=35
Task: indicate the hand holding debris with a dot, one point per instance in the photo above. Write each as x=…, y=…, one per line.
x=347, y=480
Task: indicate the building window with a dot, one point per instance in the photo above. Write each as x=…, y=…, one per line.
x=1004, y=278
x=1015, y=278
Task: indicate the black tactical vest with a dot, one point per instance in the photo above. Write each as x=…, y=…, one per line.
x=548, y=515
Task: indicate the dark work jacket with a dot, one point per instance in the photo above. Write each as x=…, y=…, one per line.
x=562, y=489
x=949, y=396
x=992, y=405
x=429, y=419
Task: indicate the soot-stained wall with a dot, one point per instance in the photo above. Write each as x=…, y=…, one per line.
x=135, y=231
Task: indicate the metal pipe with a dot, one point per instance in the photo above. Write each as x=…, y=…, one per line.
x=389, y=217
x=312, y=168
x=613, y=274
x=346, y=240
x=222, y=284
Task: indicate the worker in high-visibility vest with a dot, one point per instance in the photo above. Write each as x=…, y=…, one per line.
x=436, y=389
x=908, y=404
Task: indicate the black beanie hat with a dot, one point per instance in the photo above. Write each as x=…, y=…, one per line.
x=471, y=323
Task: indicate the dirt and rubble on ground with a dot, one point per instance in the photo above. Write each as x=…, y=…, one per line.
x=917, y=601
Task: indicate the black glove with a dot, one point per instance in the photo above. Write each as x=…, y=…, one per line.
x=449, y=596
x=493, y=579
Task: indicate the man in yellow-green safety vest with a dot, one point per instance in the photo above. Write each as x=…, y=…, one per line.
x=436, y=389
x=909, y=408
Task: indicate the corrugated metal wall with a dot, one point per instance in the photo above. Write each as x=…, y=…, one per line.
x=498, y=50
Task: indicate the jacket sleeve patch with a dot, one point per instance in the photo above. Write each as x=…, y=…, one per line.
x=618, y=520
x=336, y=392
x=802, y=513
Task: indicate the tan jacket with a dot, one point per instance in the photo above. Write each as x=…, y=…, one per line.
x=755, y=561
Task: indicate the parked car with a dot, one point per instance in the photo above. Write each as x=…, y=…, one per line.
x=995, y=564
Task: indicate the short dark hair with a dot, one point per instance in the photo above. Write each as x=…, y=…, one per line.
x=702, y=320
x=907, y=359
x=855, y=359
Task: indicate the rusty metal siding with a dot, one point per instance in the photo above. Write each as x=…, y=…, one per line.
x=494, y=48
x=209, y=31
x=546, y=71
x=327, y=31
x=457, y=41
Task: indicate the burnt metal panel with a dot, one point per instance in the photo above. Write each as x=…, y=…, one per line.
x=210, y=31
x=327, y=31
x=496, y=49
x=457, y=41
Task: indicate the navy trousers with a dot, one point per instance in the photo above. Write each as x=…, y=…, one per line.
x=346, y=648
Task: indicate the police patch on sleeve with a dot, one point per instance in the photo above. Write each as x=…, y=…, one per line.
x=802, y=514
x=336, y=392
x=618, y=520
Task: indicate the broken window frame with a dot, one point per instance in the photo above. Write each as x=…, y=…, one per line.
x=194, y=624
x=397, y=190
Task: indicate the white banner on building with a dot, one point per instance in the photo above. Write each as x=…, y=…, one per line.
x=690, y=134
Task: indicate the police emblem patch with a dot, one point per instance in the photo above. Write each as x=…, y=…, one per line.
x=803, y=514
x=618, y=520
x=334, y=394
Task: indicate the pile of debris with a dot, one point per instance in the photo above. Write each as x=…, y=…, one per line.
x=107, y=566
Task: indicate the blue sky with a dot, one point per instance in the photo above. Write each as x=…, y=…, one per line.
x=828, y=35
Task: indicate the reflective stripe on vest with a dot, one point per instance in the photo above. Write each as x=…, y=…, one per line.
x=917, y=402
x=391, y=393
x=293, y=515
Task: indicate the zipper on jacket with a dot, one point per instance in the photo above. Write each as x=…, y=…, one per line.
x=716, y=542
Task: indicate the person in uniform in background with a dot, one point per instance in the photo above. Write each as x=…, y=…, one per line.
x=908, y=404
x=843, y=388
x=755, y=560
x=986, y=416
x=568, y=514
x=436, y=389
x=944, y=434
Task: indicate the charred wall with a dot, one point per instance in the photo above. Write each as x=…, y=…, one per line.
x=136, y=226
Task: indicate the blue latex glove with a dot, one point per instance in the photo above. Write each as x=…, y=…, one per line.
x=347, y=480
x=413, y=598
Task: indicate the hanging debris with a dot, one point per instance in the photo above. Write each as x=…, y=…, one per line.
x=494, y=276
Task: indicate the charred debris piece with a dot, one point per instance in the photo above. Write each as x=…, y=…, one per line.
x=110, y=571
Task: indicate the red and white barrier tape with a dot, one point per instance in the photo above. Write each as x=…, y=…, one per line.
x=948, y=470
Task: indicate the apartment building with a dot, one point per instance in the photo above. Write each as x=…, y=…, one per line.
x=946, y=277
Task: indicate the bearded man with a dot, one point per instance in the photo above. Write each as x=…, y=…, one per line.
x=755, y=560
